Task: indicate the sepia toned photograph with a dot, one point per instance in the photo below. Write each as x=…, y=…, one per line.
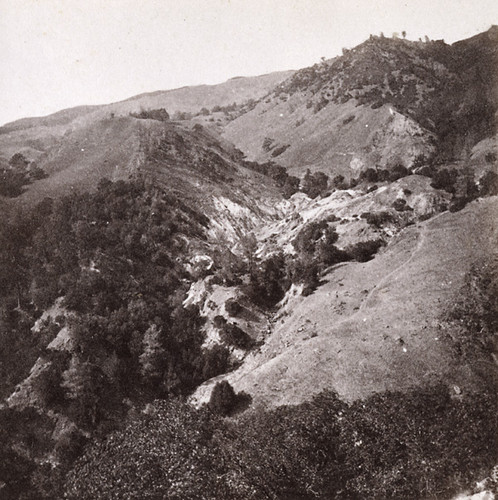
x=248, y=250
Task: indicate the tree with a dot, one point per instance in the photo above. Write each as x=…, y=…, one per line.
x=153, y=356
x=82, y=383
x=315, y=184
x=19, y=161
x=223, y=399
x=291, y=186
x=488, y=184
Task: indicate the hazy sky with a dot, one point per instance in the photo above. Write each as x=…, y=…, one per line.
x=62, y=53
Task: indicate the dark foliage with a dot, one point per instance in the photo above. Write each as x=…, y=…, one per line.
x=444, y=179
x=364, y=251
x=269, y=281
x=489, y=184
x=400, y=205
x=232, y=307
x=279, y=150
x=152, y=114
x=223, y=400
x=117, y=257
x=378, y=219
x=216, y=361
x=232, y=335
x=315, y=184
x=17, y=174
x=422, y=444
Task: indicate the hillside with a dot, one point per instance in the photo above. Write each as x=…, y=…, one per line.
x=378, y=326
x=36, y=136
x=383, y=102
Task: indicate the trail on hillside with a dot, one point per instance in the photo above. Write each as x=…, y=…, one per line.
x=385, y=279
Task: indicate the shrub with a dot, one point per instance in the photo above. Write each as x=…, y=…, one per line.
x=215, y=361
x=397, y=172
x=223, y=399
x=231, y=334
x=339, y=182
x=268, y=144
x=377, y=219
x=281, y=149
x=268, y=282
x=152, y=114
x=364, y=251
x=458, y=203
x=291, y=186
x=400, y=205
x=488, y=184
x=232, y=307
x=444, y=179
x=315, y=184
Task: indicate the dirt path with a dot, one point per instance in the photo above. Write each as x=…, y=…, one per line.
x=421, y=241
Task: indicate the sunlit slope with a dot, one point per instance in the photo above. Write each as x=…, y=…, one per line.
x=33, y=136
x=378, y=325
x=188, y=162
x=338, y=139
x=383, y=102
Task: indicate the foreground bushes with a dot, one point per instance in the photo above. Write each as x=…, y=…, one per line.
x=417, y=445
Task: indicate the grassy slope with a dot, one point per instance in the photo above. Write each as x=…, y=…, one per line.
x=326, y=140
x=435, y=89
x=35, y=135
x=376, y=326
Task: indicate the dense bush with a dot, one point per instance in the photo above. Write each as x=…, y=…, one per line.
x=444, y=179
x=223, y=400
x=315, y=184
x=421, y=444
x=152, y=114
x=234, y=336
x=489, y=184
x=17, y=174
x=268, y=281
x=400, y=205
x=364, y=251
x=116, y=256
x=378, y=219
x=232, y=307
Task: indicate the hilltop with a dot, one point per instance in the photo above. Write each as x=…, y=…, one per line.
x=35, y=136
x=383, y=102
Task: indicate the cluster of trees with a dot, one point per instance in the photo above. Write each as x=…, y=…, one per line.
x=152, y=114
x=315, y=250
x=312, y=184
x=116, y=258
x=322, y=449
x=18, y=173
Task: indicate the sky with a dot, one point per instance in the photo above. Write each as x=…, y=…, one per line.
x=63, y=53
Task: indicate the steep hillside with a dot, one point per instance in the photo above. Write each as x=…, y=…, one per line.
x=379, y=325
x=383, y=102
x=191, y=163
